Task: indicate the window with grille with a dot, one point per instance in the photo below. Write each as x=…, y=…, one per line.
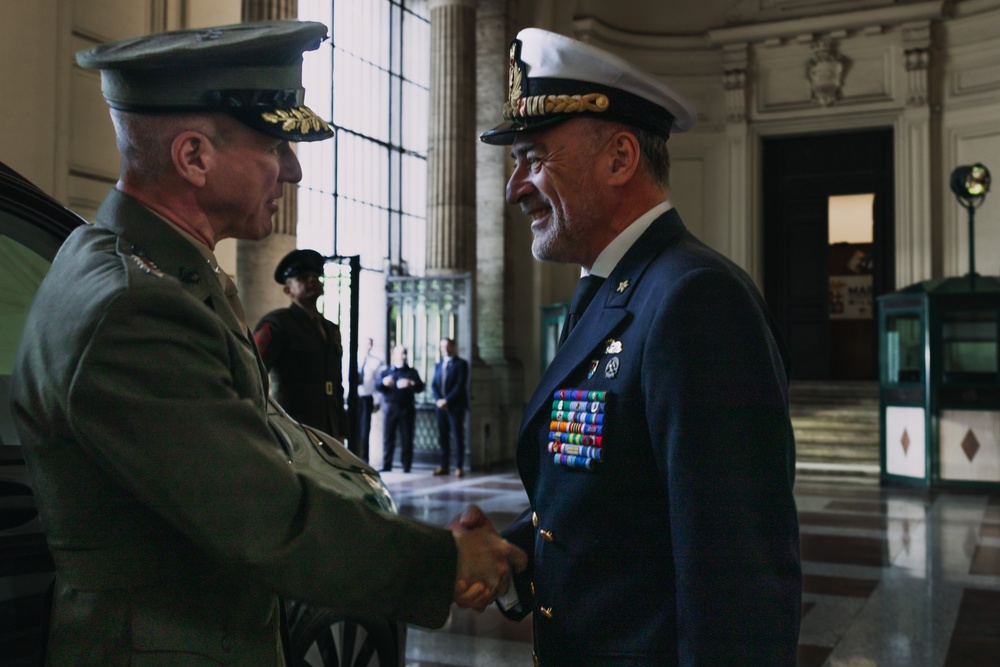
x=364, y=192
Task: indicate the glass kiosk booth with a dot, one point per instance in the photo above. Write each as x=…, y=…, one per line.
x=939, y=389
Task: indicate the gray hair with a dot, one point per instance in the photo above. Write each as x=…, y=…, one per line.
x=144, y=140
x=654, y=157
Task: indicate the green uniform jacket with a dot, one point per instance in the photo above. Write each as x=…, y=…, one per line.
x=305, y=367
x=174, y=518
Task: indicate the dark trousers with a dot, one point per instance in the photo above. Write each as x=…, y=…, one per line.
x=399, y=418
x=451, y=421
x=366, y=406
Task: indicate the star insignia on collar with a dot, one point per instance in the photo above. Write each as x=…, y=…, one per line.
x=622, y=286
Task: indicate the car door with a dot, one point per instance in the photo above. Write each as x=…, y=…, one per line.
x=32, y=227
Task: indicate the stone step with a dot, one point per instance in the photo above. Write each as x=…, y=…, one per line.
x=833, y=392
x=836, y=420
x=836, y=428
x=834, y=453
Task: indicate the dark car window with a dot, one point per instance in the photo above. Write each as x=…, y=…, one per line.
x=32, y=227
x=25, y=257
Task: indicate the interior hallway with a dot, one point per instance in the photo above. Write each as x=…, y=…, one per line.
x=892, y=576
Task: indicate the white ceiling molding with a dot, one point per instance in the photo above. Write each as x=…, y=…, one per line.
x=824, y=24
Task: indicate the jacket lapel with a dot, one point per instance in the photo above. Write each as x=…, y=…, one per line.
x=606, y=313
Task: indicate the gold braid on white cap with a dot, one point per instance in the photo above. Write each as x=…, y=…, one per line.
x=541, y=105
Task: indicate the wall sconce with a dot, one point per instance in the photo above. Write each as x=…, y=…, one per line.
x=970, y=183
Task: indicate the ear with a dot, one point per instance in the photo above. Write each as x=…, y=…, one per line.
x=193, y=156
x=624, y=153
x=287, y=290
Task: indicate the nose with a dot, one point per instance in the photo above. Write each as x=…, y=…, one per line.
x=291, y=170
x=518, y=186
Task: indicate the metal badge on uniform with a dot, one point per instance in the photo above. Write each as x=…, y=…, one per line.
x=575, y=436
x=611, y=369
x=614, y=346
x=147, y=265
x=622, y=286
x=594, y=363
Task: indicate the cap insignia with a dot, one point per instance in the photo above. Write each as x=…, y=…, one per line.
x=302, y=120
x=513, y=80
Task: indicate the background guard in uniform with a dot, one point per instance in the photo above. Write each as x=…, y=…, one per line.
x=302, y=349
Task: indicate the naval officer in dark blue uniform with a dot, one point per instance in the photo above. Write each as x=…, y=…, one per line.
x=656, y=452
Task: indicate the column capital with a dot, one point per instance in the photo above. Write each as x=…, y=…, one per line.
x=434, y=4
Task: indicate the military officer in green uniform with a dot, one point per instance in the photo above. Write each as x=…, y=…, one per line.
x=302, y=349
x=172, y=514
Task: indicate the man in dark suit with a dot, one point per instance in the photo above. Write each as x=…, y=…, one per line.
x=170, y=508
x=657, y=451
x=399, y=386
x=451, y=402
x=302, y=349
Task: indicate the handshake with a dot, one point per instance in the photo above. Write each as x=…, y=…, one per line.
x=486, y=561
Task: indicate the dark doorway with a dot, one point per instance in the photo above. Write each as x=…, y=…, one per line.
x=823, y=294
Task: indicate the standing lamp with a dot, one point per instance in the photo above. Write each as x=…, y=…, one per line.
x=970, y=184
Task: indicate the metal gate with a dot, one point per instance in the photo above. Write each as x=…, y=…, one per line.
x=341, y=304
x=420, y=312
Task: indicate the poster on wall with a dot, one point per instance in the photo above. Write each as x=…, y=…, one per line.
x=851, y=281
x=851, y=297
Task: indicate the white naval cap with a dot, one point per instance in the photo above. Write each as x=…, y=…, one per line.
x=553, y=78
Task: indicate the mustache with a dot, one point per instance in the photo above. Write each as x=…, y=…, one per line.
x=535, y=203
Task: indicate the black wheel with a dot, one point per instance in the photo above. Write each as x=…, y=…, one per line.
x=323, y=638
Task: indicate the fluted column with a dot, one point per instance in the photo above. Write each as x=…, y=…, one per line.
x=269, y=10
x=501, y=290
x=451, y=153
x=256, y=260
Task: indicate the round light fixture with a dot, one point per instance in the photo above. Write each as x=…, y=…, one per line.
x=970, y=183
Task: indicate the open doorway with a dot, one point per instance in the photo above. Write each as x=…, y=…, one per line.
x=850, y=229
x=828, y=247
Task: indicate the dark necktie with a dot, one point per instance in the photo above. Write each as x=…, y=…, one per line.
x=584, y=294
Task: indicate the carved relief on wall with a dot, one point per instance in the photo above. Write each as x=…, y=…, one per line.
x=825, y=73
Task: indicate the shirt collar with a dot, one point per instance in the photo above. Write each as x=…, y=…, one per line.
x=614, y=251
x=202, y=248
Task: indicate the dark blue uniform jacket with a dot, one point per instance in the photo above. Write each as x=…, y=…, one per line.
x=680, y=546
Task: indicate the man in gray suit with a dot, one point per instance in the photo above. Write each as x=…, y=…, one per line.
x=172, y=513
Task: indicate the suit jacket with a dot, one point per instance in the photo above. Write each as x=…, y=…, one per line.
x=171, y=511
x=680, y=547
x=396, y=398
x=305, y=367
x=455, y=387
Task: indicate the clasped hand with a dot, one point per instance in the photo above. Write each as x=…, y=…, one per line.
x=486, y=561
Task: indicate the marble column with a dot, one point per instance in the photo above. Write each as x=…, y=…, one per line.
x=742, y=249
x=451, y=154
x=502, y=291
x=256, y=260
x=918, y=240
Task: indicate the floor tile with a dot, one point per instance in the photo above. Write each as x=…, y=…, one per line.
x=986, y=560
x=847, y=550
x=894, y=576
x=975, y=641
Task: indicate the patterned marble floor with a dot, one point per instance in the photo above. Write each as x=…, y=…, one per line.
x=891, y=576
